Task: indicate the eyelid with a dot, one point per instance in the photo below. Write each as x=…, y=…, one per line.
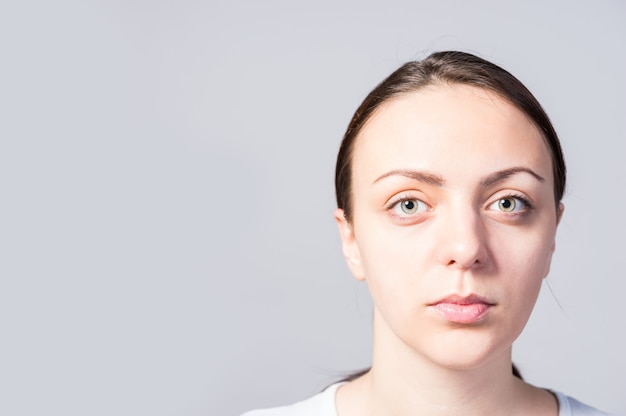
x=401, y=197
x=397, y=214
x=527, y=205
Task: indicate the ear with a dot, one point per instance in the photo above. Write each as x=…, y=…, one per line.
x=559, y=215
x=349, y=245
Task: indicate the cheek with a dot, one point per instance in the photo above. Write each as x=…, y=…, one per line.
x=522, y=268
x=387, y=267
x=390, y=251
x=395, y=264
x=528, y=252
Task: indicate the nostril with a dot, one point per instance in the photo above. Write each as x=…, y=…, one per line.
x=459, y=264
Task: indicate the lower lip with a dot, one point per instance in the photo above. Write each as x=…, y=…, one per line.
x=462, y=313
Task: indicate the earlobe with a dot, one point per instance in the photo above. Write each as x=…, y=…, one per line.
x=349, y=245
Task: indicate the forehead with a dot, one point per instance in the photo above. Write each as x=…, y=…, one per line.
x=453, y=129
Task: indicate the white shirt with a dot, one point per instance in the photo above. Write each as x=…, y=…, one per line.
x=323, y=404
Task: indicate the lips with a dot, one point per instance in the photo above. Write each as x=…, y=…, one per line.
x=462, y=309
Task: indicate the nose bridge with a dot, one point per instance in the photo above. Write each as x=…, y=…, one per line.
x=463, y=238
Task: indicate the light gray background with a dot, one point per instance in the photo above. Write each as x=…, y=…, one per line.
x=166, y=177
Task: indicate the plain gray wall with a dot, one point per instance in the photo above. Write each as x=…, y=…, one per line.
x=166, y=177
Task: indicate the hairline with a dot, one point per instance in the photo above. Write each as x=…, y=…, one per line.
x=436, y=82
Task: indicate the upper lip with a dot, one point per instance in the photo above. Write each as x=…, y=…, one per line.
x=463, y=300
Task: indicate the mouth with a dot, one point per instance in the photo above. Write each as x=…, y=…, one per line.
x=462, y=309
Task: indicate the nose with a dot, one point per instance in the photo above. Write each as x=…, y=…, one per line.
x=463, y=242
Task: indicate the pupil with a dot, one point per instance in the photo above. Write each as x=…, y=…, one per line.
x=506, y=204
x=409, y=205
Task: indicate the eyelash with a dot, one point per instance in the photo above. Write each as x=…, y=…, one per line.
x=527, y=205
x=395, y=202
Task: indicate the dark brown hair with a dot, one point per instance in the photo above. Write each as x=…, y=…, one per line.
x=442, y=68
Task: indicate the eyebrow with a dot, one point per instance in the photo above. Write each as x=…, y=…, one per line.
x=428, y=178
x=436, y=180
x=506, y=173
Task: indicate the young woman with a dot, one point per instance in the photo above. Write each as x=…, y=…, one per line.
x=449, y=183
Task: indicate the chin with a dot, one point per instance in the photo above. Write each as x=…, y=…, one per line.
x=465, y=352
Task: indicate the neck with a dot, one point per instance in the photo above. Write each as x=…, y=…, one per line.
x=402, y=380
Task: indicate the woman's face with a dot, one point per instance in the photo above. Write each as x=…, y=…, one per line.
x=453, y=222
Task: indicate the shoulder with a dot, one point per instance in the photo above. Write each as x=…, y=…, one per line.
x=322, y=404
x=568, y=406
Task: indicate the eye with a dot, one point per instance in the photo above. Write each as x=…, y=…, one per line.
x=409, y=206
x=510, y=204
x=507, y=204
